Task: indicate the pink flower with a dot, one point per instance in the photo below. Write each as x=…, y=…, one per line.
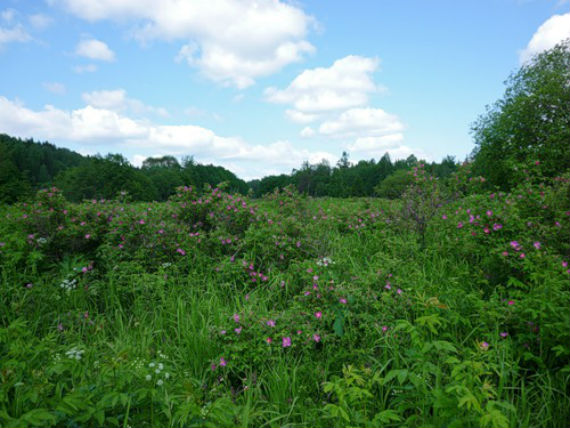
x=213, y=367
x=316, y=338
x=484, y=346
x=505, y=253
x=269, y=340
x=384, y=328
x=223, y=362
x=486, y=230
x=342, y=300
x=299, y=331
x=223, y=332
x=399, y=291
x=497, y=226
x=286, y=342
x=271, y=323
x=537, y=245
x=444, y=217
x=388, y=286
x=236, y=317
x=459, y=225
x=489, y=213
x=237, y=330
x=318, y=315
x=522, y=256
x=504, y=334
x=181, y=251
x=511, y=302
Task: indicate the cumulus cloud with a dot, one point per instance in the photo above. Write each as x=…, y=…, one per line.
x=361, y=121
x=15, y=33
x=232, y=42
x=94, y=49
x=307, y=132
x=117, y=100
x=93, y=126
x=552, y=31
x=346, y=83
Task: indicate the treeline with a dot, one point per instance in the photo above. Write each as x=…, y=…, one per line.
x=26, y=166
x=366, y=178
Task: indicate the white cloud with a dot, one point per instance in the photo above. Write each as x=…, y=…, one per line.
x=95, y=126
x=14, y=34
x=361, y=122
x=300, y=117
x=54, y=87
x=552, y=31
x=40, y=21
x=347, y=83
x=307, y=132
x=232, y=42
x=117, y=100
x=94, y=49
x=87, y=68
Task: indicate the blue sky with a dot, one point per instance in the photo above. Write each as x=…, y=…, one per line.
x=261, y=86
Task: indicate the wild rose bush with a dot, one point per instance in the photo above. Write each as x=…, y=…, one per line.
x=448, y=307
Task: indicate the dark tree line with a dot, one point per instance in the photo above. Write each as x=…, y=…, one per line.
x=365, y=178
x=26, y=166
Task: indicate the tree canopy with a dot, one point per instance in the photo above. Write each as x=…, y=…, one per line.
x=530, y=124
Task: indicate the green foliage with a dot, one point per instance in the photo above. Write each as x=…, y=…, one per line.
x=531, y=123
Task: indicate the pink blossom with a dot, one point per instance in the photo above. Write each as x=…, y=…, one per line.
x=236, y=317
x=384, y=328
x=269, y=340
x=504, y=334
x=399, y=291
x=318, y=315
x=223, y=362
x=459, y=225
x=537, y=245
x=489, y=213
x=511, y=302
x=87, y=236
x=342, y=300
x=497, y=226
x=505, y=253
x=213, y=367
x=181, y=251
x=286, y=342
x=237, y=330
x=271, y=323
x=316, y=338
x=484, y=346
x=444, y=217
x=522, y=255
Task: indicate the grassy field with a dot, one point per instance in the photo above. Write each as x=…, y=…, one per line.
x=449, y=307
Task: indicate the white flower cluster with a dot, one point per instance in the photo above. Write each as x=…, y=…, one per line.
x=75, y=353
x=157, y=368
x=166, y=265
x=68, y=284
x=325, y=261
x=41, y=240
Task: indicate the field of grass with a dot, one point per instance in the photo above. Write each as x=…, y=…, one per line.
x=449, y=307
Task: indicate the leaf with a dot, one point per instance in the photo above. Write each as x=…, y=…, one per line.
x=385, y=417
x=338, y=325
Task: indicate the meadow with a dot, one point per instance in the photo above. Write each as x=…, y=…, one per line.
x=447, y=307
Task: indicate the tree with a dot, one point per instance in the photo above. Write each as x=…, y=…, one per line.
x=530, y=123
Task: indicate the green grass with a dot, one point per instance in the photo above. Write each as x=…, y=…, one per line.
x=382, y=358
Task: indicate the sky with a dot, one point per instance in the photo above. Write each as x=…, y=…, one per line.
x=261, y=86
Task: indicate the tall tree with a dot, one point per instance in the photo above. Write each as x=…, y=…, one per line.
x=530, y=123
